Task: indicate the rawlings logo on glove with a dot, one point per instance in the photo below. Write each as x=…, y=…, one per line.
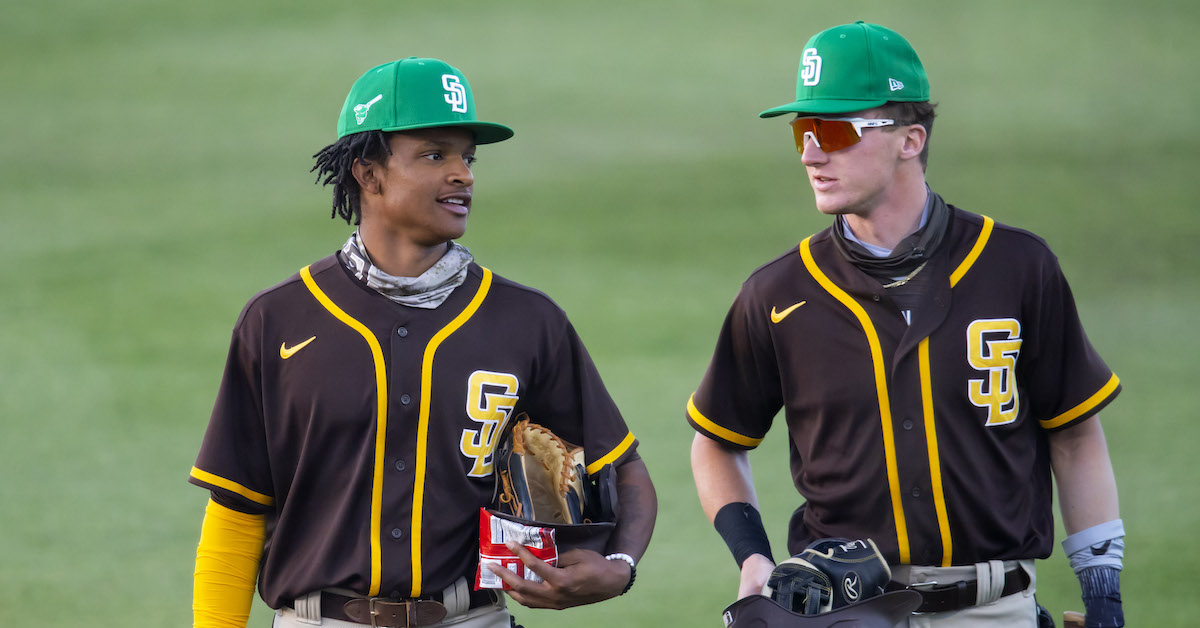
x=829, y=574
x=832, y=582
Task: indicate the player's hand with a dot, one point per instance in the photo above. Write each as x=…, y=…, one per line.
x=755, y=571
x=1101, y=587
x=581, y=577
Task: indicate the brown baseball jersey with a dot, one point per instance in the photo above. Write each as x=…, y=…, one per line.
x=365, y=430
x=929, y=437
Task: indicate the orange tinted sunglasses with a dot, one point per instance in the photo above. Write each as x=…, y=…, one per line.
x=832, y=134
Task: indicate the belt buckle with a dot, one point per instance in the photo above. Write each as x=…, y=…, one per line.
x=372, y=611
x=368, y=610
x=931, y=584
x=407, y=612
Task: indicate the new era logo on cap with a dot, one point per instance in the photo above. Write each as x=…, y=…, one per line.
x=895, y=85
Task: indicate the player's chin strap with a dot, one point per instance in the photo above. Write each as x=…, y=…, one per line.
x=1097, y=556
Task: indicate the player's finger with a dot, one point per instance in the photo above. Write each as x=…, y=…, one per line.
x=509, y=578
x=535, y=564
x=533, y=595
x=527, y=592
x=524, y=592
x=532, y=601
x=520, y=599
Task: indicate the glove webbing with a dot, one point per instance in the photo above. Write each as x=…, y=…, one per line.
x=814, y=599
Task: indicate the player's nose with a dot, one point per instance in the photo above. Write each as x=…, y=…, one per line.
x=460, y=173
x=812, y=154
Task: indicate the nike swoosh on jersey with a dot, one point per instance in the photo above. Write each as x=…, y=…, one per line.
x=778, y=316
x=286, y=352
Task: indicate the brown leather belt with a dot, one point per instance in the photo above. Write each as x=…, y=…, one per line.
x=956, y=595
x=389, y=613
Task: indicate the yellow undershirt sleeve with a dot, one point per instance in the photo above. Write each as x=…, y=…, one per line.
x=231, y=544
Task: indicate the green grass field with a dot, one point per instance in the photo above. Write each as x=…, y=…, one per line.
x=155, y=175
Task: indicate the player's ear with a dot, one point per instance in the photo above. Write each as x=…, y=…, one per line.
x=368, y=174
x=915, y=137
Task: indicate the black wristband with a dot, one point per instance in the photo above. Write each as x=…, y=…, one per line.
x=632, y=576
x=741, y=526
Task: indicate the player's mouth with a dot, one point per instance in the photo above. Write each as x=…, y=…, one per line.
x=458, y=203
x=822, y=183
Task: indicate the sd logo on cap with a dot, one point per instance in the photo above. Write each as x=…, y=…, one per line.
x=853, y=67
x=414, y=93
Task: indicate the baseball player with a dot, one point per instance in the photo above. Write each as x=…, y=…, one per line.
x=930, y=364
x=351, y=444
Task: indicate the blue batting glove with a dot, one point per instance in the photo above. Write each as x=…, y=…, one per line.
x=1101, y=588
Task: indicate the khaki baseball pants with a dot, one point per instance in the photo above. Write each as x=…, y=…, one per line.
x=1018, y=610
x=482, y=617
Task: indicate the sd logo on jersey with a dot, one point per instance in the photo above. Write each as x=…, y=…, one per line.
x=491, y=398
x=993, y=345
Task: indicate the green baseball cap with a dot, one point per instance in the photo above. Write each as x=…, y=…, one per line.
x=854, y=67
x=414, y=93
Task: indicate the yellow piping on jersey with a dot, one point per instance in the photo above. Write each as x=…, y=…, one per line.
x=1083, y=408
x=612, y=455
x=935, y=472
x=969, y=261
x=881, y=390
x=935, y=464
x=423, y=422
x=233, y=487
x=717, y=430
x=381, y=399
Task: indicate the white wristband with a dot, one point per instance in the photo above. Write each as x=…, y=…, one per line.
x=632, y=569
x=625, y=557
x=1098, y=546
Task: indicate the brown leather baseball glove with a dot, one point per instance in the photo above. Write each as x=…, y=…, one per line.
x=540, y=477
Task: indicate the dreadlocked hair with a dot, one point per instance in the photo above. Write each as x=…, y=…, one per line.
x=334, y=163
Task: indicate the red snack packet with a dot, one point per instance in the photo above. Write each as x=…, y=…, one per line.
x=494, y=532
